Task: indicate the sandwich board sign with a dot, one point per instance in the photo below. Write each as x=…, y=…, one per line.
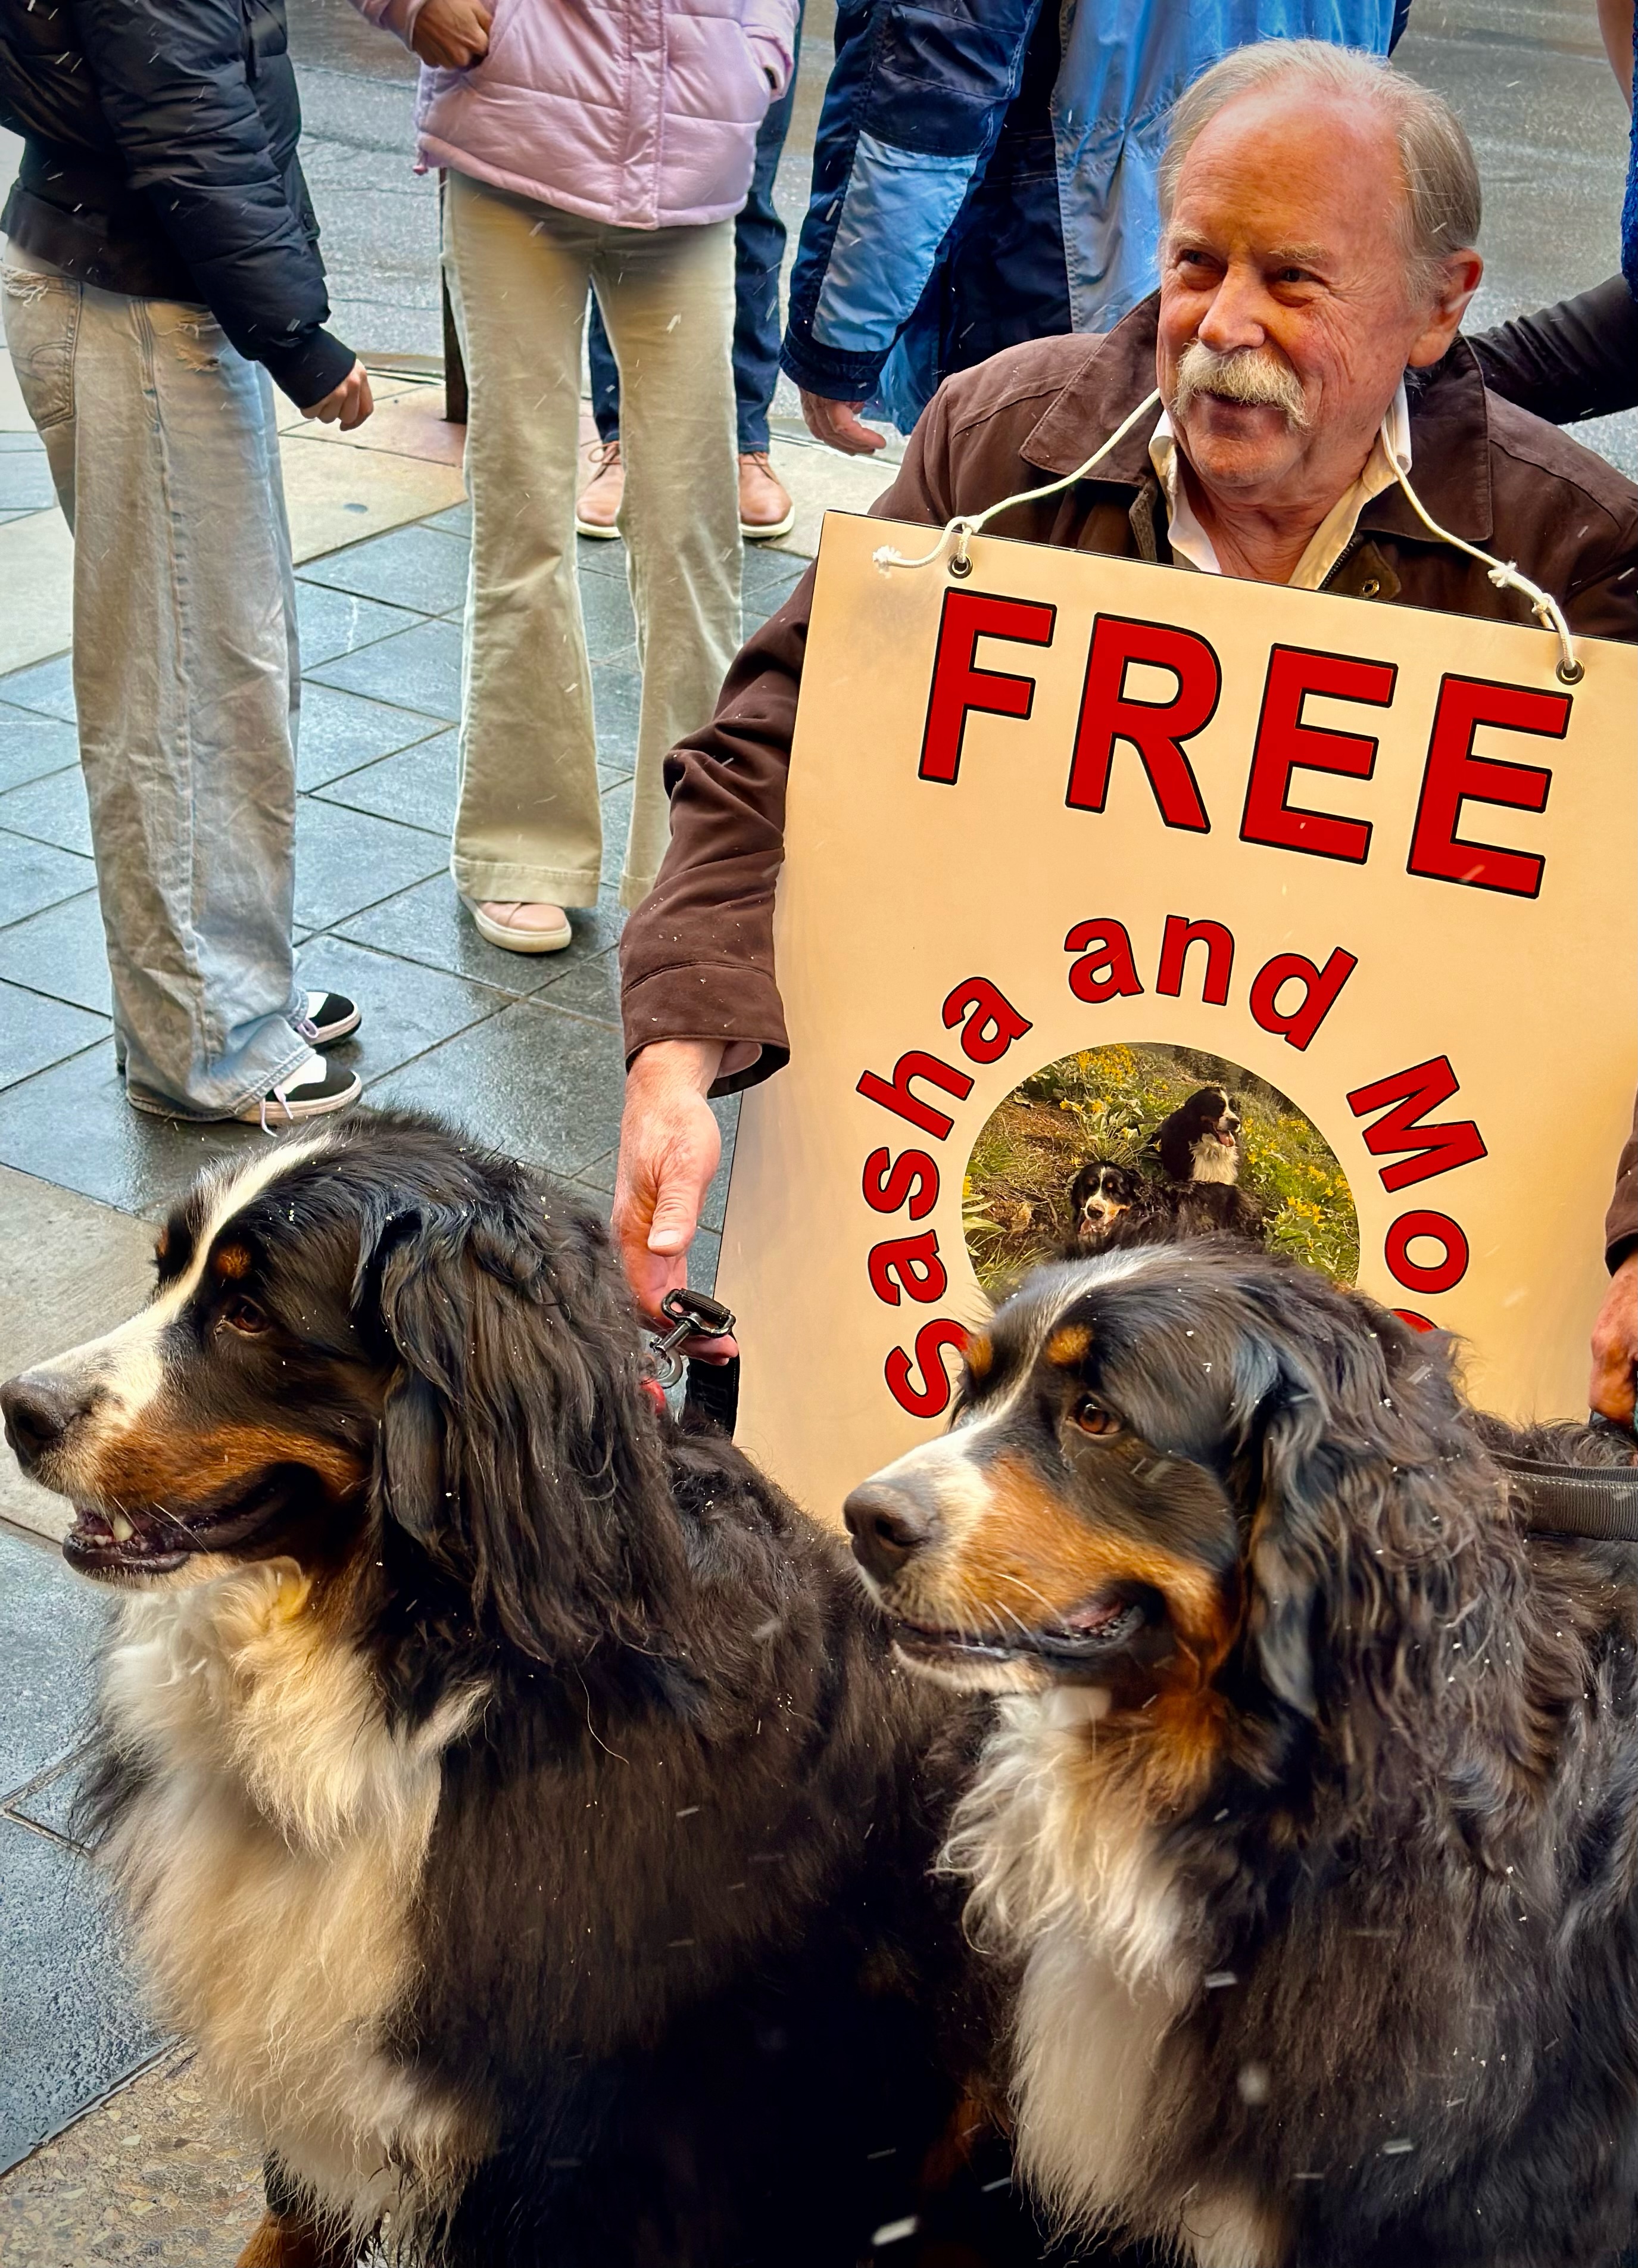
x=1072, y=838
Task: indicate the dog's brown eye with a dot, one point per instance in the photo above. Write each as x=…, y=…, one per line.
x=242, y=1314
x=1092, y=1417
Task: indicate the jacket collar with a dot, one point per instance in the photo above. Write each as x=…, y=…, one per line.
x=1449, y=430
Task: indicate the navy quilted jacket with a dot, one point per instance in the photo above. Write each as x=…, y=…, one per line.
x=159, y=160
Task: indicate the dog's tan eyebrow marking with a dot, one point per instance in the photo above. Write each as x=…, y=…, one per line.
x=1070, y=1345
x=981, y=1354
x=231, y=1261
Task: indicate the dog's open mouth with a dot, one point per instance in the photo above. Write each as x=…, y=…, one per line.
x=113, y=1540
x=1080, y=1641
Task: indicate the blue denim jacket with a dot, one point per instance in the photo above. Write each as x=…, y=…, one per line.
x=985, y=173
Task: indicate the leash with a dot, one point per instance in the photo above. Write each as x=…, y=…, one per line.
x=1598, y=1503
x=712, y=1392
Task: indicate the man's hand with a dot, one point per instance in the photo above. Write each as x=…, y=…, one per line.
x=452, y=34
x=669, y=1148
x=1615, y=1345
x=347, y=405
x=836, y=423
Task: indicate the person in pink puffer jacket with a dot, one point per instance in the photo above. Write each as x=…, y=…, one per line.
x=607, y=143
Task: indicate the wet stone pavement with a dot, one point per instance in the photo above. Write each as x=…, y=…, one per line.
x=524, y=1051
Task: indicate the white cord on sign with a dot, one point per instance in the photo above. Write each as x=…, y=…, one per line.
x=1543, y=604
x=964, y=529
x=1504, y=575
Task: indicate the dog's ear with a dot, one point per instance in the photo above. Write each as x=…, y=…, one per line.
x=1361, y=1522
x=516, y=1444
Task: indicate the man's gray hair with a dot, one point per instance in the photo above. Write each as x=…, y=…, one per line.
x=1442, y=201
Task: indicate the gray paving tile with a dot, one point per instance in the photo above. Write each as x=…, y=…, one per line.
x=456, y=521
x=69, y=1270
x=539, y=1085
x=605, y=605
x=71, y=2022
x=62, y=952
x=600, y=1174
x=616, y=824
x=773, y=574
x=419, y=668
x=26, y=481
x=602, y=555
x=333, y=622
x=429, y=924
x=417, y=785
x=72, y=1125
x=47, y=686
x=20, y=444
x=49, y=1802
x=51, y=810
x=617, y=696
x=704, y=1256
x=407, y=1008
x=31, y=745
x=346, y=860
x=36, y=874
x=51, y=1624
x=35, y=1031
x=340, y=730
x=420, y=566
x=590, y=988
x=726, y=1110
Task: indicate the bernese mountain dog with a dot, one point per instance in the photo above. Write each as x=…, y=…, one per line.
x=1312, y=1808
x=1103, y=1192
x=1199, y=1149
x=512, y=1795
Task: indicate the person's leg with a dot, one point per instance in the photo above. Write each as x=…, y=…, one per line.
x=758, y=253
x=596, y=507
x=604, y=378
x=162, y=441
x=529, y=826
x=669, y=296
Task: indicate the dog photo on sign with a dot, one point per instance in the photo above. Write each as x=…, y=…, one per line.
x=1131, y=1141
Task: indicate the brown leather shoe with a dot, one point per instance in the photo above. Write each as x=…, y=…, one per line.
x=765, y=507
x=596, y=507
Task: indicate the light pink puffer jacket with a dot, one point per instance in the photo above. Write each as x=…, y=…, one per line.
x=641, y=113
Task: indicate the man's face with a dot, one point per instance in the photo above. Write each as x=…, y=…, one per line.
x=1285, y=253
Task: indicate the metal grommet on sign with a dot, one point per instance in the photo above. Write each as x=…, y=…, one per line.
x=1571, y=672
x=958, y=565
x=1369, y=587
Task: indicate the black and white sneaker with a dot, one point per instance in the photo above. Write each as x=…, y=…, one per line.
x=330, y=1017
x=313, y=1089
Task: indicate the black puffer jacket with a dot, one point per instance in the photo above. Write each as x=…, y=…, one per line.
x=159, y=160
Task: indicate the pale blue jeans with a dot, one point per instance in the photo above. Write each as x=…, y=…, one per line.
x=163, y=452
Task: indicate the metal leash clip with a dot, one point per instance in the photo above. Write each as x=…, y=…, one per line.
x=691, y=1315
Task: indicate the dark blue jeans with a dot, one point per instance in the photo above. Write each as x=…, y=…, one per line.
x=759, y=249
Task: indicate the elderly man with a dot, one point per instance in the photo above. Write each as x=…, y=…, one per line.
x=1320, y=213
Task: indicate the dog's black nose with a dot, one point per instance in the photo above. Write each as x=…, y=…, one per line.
x=888, y=1525
x=39, y=1408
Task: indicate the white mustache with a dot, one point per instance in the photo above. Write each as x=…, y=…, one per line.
x=1252, y=375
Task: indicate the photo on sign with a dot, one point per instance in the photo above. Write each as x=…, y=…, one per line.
x=1130, y=1134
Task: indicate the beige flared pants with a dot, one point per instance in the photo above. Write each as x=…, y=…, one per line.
x=529, y=823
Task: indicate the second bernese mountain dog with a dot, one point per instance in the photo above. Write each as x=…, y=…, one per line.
x=1313, y=1810
x=513, y=1795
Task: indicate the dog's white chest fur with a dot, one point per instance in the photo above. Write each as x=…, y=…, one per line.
x=1067, y=1870
x=268, y=1867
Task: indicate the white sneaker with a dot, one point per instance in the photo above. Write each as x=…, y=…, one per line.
x=313, y=1089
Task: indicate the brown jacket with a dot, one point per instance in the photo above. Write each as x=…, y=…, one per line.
x=697, y=958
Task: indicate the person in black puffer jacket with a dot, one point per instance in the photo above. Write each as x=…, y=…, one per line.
x=162, y=273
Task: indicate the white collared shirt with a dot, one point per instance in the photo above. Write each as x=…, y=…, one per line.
x=1329, y=541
